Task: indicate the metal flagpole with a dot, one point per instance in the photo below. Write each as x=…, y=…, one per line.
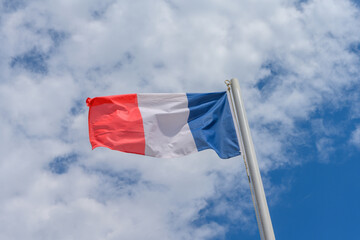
x=242, y=149
x=261, y=207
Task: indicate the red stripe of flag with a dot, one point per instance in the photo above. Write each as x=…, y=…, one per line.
x=115, y=122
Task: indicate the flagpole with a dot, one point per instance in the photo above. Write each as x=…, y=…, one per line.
x=261, y=207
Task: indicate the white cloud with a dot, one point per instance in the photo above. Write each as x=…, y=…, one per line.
x=325, y=148
x=355, y=137
x=94, y=48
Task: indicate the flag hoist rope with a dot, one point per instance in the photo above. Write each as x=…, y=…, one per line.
x=251, y=165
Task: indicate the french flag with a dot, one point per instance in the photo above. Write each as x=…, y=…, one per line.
x=163, y=125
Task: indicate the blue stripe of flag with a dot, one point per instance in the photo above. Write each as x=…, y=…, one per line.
x=211, y=123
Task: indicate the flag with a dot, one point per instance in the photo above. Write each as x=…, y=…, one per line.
x=163, y=125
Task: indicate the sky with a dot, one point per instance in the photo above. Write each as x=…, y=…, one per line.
x=298, y=66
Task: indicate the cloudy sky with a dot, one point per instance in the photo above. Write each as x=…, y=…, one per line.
x=298, y=65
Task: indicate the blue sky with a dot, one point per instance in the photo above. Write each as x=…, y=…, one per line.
x=298, y=66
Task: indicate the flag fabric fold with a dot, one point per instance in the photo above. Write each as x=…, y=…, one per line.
x=163, y=125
